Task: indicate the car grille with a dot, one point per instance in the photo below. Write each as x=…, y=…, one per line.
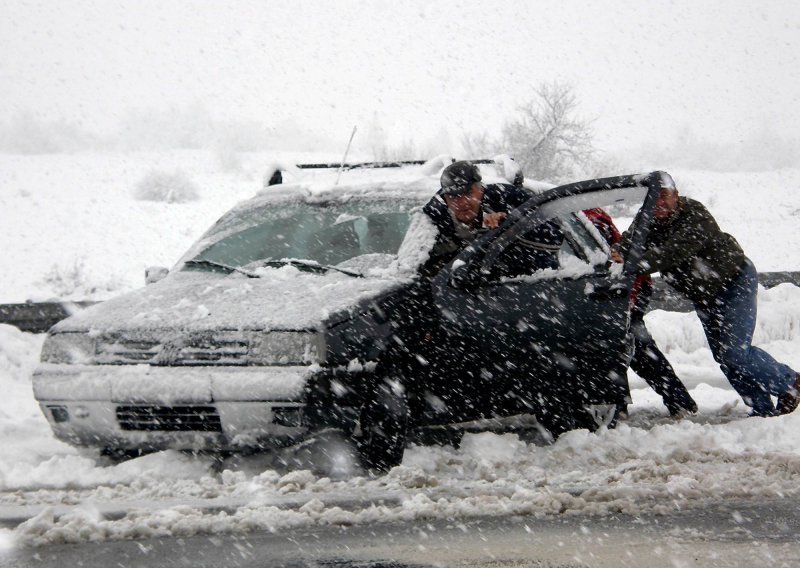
x=169, y=418
x=198, y=349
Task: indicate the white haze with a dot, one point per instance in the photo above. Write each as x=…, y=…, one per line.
x=666, y=81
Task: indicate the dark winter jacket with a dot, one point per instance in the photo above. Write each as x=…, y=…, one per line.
x=691, y=252
x=536, y=249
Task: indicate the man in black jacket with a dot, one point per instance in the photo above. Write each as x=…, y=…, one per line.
x=708, y=266
x=464, y=209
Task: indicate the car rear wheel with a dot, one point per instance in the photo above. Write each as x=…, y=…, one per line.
x=383, y=423
x=555, y=419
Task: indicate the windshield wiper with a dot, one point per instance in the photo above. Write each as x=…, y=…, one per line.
x=309, y=266
x=305, y=265
x=213, y=264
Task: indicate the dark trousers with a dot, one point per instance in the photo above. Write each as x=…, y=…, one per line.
x=729, y=320
x=650, y=363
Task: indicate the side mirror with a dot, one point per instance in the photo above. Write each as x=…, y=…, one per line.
x=153, y=274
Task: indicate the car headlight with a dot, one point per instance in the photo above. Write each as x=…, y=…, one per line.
x=287, y=348
x=69, y=348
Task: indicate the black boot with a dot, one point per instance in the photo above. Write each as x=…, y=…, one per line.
x=788, y=401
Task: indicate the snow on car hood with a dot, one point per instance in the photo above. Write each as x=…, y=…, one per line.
x=282, y=299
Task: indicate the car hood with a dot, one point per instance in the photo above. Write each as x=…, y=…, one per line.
x=282, y=299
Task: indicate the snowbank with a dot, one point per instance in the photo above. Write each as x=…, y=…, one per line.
x=649, y=463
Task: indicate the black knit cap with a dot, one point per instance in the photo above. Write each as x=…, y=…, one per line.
x=458, y=177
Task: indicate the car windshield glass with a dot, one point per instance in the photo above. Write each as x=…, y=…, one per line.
x=327, y=235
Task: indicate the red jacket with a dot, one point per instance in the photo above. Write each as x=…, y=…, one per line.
x=603, y=222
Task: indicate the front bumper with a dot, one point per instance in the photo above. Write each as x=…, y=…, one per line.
x=192, y=408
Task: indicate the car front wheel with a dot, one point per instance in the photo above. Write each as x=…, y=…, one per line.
x=383, y=423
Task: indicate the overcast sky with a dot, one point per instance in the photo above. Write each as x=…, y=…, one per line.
x=728, y=68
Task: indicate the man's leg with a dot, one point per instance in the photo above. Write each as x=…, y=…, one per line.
x=729, y=322
x=650, y=363
x=751, y=392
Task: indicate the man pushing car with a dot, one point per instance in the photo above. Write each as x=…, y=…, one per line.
x=708, y=267
x=465, y=208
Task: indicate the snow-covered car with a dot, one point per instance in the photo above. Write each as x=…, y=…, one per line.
x=301, y=309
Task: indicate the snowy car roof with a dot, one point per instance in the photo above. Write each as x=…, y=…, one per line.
x=407, y=182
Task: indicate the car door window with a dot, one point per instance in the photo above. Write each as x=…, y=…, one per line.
x=582, y=251
x=583, y=243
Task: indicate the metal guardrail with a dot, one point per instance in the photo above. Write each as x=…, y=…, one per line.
x=38, y=317
x=666, y=298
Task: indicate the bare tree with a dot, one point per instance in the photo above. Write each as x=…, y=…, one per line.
x=548, y=140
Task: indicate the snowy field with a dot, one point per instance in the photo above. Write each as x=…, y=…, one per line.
x=71, y=228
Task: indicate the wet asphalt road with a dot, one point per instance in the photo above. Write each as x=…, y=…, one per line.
x=733, y=534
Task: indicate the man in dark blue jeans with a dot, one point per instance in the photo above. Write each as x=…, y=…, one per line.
x=708, y=266
x=729, y=322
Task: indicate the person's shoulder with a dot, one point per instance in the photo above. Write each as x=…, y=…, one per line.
x=693, y=207
x=597, y=213
x=436, y=210
x=435, y=207
x=507, y=193
x=689, y=202
x=693, y=213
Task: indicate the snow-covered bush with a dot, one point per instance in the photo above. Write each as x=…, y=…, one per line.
x=74, y=282
x=168, y=187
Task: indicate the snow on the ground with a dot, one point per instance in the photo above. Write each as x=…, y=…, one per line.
x=648, y=463
x=78, y=213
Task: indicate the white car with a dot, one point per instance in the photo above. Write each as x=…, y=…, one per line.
x=293, y=312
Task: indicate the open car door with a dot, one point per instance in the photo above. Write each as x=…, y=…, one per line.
x=553, y=339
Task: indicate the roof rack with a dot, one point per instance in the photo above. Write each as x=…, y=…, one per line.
x=367, y=165
x=276, y=177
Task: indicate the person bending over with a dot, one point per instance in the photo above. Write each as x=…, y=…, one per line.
x=708, y=267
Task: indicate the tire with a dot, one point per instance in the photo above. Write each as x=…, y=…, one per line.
x=383, y=424
x=556, y=420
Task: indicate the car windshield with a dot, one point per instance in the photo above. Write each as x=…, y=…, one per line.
x=353, y=235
